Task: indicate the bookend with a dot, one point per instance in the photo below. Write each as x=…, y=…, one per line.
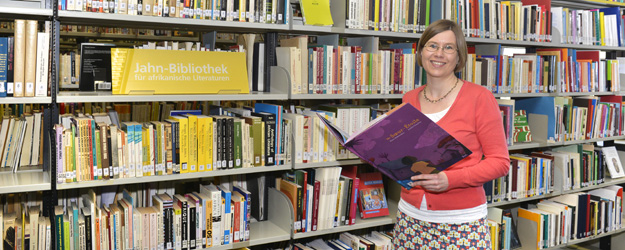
x=527, y=233
x=280, y=81
x=278, y=227
x=330, y=40
x=368, y=44
x=537, y=124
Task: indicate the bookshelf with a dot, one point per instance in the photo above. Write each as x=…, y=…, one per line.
x=278, y=227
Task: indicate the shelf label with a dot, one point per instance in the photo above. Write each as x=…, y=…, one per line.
x=162, y=71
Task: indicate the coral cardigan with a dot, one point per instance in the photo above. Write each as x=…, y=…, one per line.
x=475, y=120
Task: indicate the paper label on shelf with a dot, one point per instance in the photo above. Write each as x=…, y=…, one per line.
x=201, y=168
x=116, y=170
x=106, y=172
x=297, y=225
x=193, y=168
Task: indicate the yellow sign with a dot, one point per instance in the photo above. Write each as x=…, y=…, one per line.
x=140, y=71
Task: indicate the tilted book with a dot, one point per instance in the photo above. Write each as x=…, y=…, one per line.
x=403, y=143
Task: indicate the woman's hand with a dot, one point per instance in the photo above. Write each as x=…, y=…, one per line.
x=431, y=182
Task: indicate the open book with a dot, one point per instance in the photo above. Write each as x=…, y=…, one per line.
x=402, y=143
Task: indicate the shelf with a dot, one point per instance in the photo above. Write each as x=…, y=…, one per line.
x=29, y=13
x=527, y=145
x=522, y=94
x=577, y=241
x=264, y=232
x=594, y=140
x=584, y=93
x=71, y=97
x=146, y=22
x=515, y=201
x=344, y=96
x=128, y=36
x=19, y=100
x=28, y=181
x=593, y=2
x=174, y=177
x=592, y=187
x=385, y=34
x=315, y=29
x=327, y=164
x=507, y=42
x=360, y=224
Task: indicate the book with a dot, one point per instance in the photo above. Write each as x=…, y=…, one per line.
x=402, y=143
x=613, y=162
x=316, y=12
x=372, y=199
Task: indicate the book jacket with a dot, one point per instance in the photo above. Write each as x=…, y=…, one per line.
x=403, y=143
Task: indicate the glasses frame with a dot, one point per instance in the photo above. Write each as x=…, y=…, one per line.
x=428, y=47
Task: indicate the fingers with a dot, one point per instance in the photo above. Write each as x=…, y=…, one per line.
x=431, y=182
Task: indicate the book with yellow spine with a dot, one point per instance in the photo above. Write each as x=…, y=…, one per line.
x=168, y=148
x=183, y=130
x=204, y=141
x=145, y=145
x=193, y=143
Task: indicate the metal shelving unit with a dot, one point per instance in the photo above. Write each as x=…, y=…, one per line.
x=73, y=97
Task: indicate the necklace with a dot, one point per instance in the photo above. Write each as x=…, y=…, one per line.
x=439, y=99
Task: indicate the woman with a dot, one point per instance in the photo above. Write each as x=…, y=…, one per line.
x=448, y=208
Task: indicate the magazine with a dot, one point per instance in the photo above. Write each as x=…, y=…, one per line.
x=402, y=143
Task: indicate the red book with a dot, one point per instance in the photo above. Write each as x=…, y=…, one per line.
x=352, y=172
x=372, y=198
x=236, y=224
x=315, y=211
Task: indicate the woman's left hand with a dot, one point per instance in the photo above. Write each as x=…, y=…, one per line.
x=432, y=182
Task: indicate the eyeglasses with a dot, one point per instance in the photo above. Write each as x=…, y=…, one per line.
x=448, y=48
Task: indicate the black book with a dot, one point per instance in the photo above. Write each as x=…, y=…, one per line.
x=175, y=144
x=257, y=185
x=258, y=68
x=271, y=42
x=229, y=142
x=270, y=136
x=280, y=14
x=192, y=220
x=10, y=66
x=95, y=67
x=87, y=213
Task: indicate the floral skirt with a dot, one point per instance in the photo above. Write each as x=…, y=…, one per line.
x=410, y=233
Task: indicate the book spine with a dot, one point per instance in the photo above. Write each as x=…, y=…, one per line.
x=19, y=58
x=315, y=212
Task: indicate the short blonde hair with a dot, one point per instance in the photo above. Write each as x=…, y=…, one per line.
x=438, y=27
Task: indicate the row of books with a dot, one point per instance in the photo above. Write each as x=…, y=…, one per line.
x=547, y=70
x=526, y=20
x=350, y=70
x=21, y=141
x=211, y=216
x=325, y=198
x=263, y=11
x=568, y=217
x=503, y=229
x=602, y=27
x=92, y=147
x=25, y=227
x=392, y=15
x=24, y=61
x=560, y=169
x=568, y=118
x=125, y=31
x=348, y=241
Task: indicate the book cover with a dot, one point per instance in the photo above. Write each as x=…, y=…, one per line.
x=372, y=198
x=403, y=143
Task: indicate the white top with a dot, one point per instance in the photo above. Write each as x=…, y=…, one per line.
x=442, y=216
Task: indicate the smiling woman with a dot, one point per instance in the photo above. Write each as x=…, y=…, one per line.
x=445, y=205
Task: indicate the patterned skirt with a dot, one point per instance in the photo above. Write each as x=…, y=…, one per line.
x=410, y=233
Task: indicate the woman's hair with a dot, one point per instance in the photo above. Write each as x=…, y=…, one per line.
x=438, y=27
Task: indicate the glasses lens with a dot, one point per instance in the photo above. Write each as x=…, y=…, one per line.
x=449, y=49
x=431, y=47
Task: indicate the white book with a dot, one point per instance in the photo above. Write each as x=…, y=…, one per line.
x=41, y=77
x=34, y=160
x=27, y=146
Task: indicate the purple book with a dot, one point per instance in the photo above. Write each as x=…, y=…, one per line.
x=403, y=143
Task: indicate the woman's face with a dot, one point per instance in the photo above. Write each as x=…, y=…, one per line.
x=439, y=56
